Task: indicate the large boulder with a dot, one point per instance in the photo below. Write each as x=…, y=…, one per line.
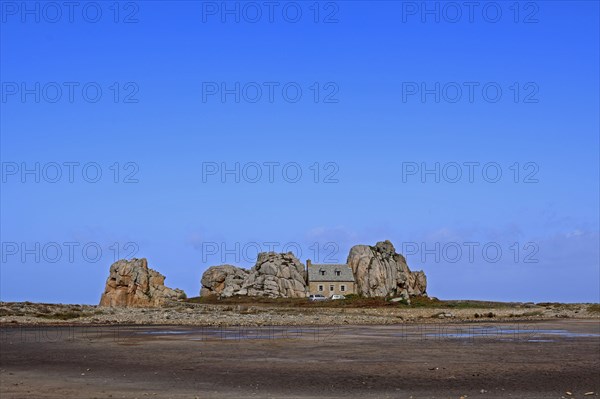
x=275, y=275
x=222, y=280
x=381, y=272
x=132, y=284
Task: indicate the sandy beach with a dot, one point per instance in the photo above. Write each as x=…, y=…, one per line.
x=538, y=359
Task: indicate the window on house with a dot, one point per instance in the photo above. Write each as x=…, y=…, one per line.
x=322, y=272
x=342, y=288
x=331, y=288
x=338, y=273
x=320, y=288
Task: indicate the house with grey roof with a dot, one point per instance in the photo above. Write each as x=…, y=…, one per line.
x=329, y=279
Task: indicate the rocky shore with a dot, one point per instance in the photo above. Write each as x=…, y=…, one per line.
x=275, y=314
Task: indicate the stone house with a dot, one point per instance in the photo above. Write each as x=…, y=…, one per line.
x=328, y=279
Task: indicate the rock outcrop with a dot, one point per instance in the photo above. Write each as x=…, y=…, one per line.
x=381, y=272
x=222, y=280
x=275, y=275
x=132, y=284
x=378, y=272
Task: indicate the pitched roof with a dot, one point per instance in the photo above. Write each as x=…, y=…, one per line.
x=315, y=275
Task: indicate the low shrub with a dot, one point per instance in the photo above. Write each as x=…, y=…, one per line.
x=594, y=308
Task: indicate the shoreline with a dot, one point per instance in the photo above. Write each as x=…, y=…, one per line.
x=250, y=314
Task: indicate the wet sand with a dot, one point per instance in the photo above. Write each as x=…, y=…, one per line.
x=478, y=359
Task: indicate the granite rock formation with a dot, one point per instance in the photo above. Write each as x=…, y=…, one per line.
x=378, y=272
x=381, y=272
x=222, y=280
x=132, y=284
x=275, y=275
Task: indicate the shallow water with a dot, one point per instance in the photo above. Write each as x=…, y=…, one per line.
x=524, y=333
x=244, y=333
x=529, y=335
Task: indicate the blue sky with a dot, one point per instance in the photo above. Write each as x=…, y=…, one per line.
x=379, y=84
